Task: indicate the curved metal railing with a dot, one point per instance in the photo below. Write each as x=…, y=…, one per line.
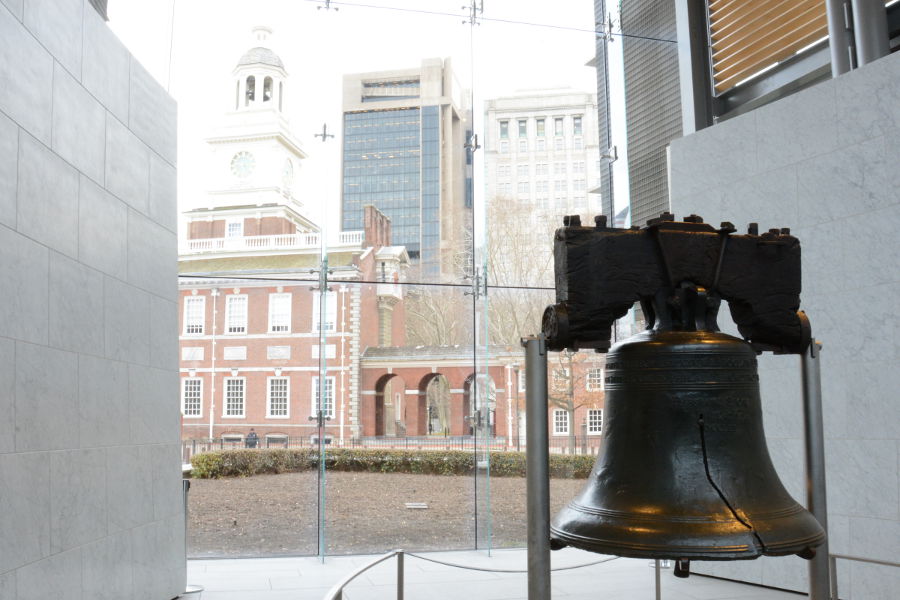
x=337, y=590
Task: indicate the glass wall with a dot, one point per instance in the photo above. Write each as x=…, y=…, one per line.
x=360, y=261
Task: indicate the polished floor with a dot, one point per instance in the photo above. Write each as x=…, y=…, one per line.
x=307, y=578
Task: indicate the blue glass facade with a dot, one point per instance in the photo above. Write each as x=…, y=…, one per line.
x=392, y=160
x=431, y=190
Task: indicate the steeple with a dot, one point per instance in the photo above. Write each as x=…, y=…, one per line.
x=259, y=76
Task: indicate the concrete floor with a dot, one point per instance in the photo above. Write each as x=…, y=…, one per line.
x=306, y=578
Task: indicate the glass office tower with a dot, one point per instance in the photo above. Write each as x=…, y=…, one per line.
x=404, y=152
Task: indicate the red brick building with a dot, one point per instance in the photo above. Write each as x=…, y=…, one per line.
x=266, y=340
x=250, y=339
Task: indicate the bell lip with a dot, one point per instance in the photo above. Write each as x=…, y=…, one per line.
x=749, y=551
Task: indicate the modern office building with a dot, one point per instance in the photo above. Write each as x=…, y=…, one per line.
x=404, y=137
x=541, y=148
x=647, y=32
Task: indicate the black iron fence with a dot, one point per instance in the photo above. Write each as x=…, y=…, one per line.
x=582, y=444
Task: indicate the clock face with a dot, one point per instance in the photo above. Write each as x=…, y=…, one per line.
x=287, y=174
x=243, y=164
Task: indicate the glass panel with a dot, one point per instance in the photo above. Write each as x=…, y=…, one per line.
x=400, y=475
x=405, y=334
x=243, y=391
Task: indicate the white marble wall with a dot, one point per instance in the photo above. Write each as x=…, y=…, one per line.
x=826, y=163
x=90, y=466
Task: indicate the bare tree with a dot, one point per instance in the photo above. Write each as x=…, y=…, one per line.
x=438, y=316
x=519, y=269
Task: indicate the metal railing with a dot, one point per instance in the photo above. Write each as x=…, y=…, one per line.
x=559, y=445
x=832, y=561
x=295, y=241
x=337, y=590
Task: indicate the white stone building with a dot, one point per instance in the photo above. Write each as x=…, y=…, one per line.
x=541, y=148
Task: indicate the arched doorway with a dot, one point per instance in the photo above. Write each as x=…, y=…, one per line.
x=480, y=403
x=390, y=406
x=434, y=397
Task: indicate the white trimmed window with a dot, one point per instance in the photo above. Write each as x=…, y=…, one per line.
x=191, y=396
x=542, y=169
x=523, y=145
x=595, y=421
x=504, y=146
x=522, y=380
x=594, y=380
x=234, y=396
x=558, y=126
x=539, y=123
x=522, y=171
x=504, y=130
x=578, y=143
x=523, y=127
x=559, y=143
x=541, y=144
x=236, y=314
x=279, y=392
x=559, y=168
x=234, y=228
x=328, y=404
x=576, y=125
x=330, y=311
x=560, y=422
x=523, y=187
x=560, y=378
x=194, y=311
x=279, y=313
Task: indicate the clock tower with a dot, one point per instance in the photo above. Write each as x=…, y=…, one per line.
x=254, y=158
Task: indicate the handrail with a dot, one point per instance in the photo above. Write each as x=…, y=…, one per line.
x=832, y=560
x=336, y=591
x=874, y=561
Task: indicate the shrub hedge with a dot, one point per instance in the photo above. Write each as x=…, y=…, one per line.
x=243, y=463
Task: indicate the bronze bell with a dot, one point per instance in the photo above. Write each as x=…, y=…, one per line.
x=683, y=470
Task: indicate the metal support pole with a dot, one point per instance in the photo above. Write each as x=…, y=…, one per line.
x=832, y=567
x=399, y=574
x=870, y=30
x=815, y=466
x=839, y=35
x=658, y=580
x=537, y=468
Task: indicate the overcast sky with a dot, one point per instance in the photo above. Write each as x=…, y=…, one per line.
x=318, y=46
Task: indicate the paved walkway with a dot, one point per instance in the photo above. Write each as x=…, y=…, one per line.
x=306, y=578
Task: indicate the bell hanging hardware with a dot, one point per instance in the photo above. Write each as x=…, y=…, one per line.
x=683, y=471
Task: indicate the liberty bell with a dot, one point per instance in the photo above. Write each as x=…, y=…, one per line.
x=683, y=471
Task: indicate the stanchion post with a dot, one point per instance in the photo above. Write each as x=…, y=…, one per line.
x=819, y=579
x=658, y=580
x=400, y=574
x=537, y=468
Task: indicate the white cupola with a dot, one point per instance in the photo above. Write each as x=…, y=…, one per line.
x=259, y=76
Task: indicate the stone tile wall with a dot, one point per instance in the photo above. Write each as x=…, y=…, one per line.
x=826, y=163
x=90, y=465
